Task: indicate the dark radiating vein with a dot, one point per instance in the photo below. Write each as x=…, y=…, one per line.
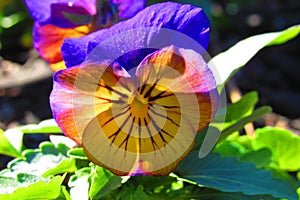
x=161, y=135
x=150, y=134
x=159, y=96
x=140, y=136
x=150, y=89
x=113, y=90
x=141, y=91
x=157, y=128
x=115, y=134
x=152, y=110
x=160, y=129
x=170, y=107
x=116, y=116
x=167, y=117
x=128, y=135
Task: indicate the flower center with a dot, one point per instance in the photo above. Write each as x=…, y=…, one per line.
x=139, y=108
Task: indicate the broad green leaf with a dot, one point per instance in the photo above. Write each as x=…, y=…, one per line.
x=230, y=175
x=103, y=182
x=38, y=190
x=48, y=160
x=6, y=147
x=283, y=144
x=46, y=126
x=261, y=157
x=225, y=64
x=230, y=148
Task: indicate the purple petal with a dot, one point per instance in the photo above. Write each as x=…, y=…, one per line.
x=155, y=27
x=62, y=13
x=129, y=8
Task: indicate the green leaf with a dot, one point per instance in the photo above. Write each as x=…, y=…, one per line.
x=77, y=153
x=103, y=182
x=139, y=193
x=230, y=148
x=237, y=110
x=227, y=63
x=228, y=116
x=129, y=192
x=48, y=160
x=258, y=113
x=283, y=144
x=46, y=126
x=37, y=190
x=153, y=184
x=241, y=108
x=230, y=175
x=64, y=194
x=261, y=158
x=6, y=147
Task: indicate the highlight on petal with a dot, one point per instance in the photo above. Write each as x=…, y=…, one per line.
x=129, y=8
x=57, y=12
x=74, y=99
x=146, y=29
x=49, y=38
x=151, y=122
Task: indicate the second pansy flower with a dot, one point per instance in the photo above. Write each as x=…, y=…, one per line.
x=56, y=20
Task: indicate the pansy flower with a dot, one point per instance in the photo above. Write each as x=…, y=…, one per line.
x=56, y=20
x=136, y=94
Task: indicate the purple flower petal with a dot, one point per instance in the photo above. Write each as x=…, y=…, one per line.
x=59, y=12
x=155, y=27
x=129, y=8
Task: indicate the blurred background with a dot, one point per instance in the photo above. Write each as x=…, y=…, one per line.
x=25, y=80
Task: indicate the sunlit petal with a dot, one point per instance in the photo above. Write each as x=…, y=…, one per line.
x=152, y=124
x=81, y=93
